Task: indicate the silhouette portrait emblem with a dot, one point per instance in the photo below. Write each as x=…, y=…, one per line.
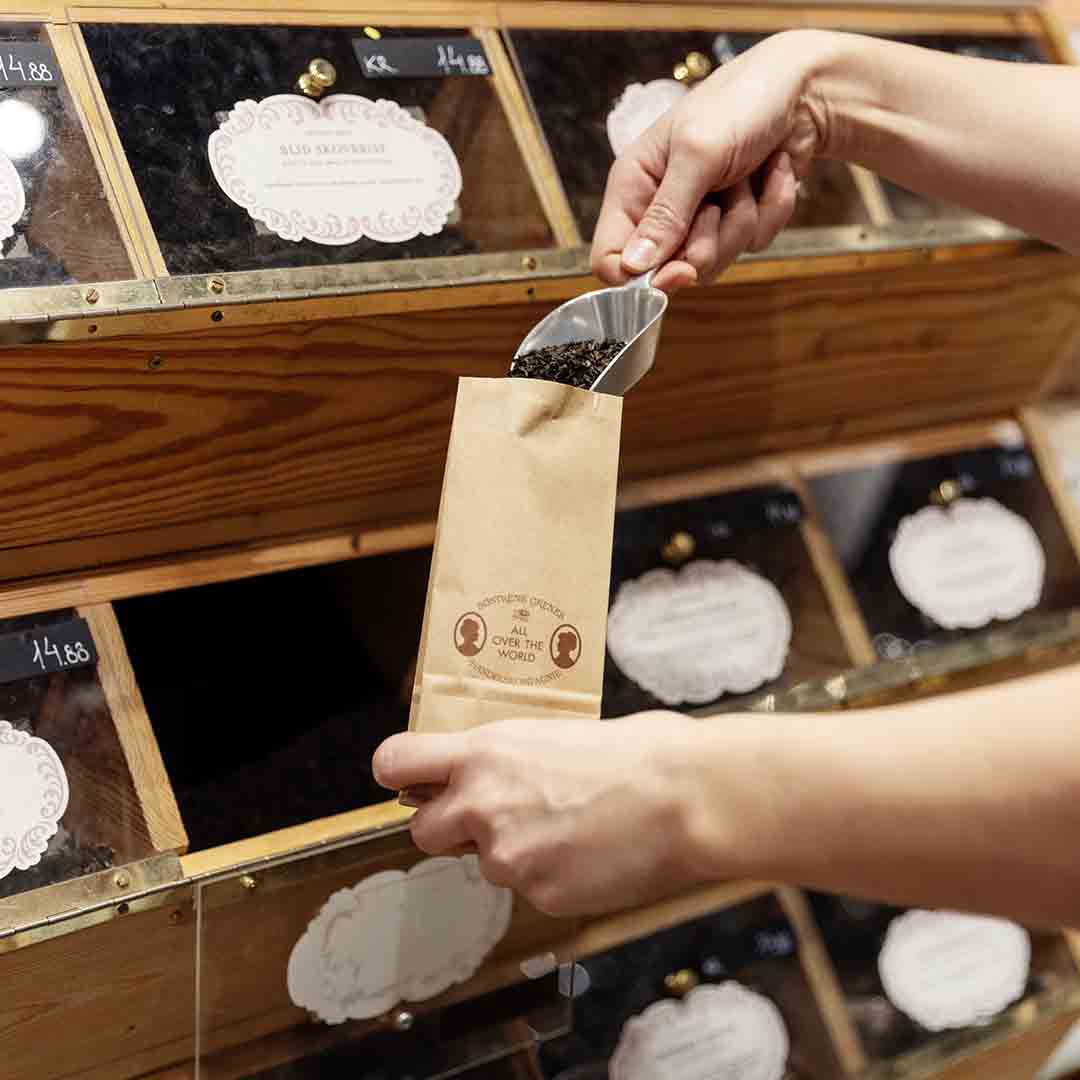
x=470, y=634
x=566, y=646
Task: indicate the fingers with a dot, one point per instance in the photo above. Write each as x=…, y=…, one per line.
x=412, y=760
x=777, y=201
x=630, y=188
x=719, y=236
x=744, y=220
x=419, y=794
x=675, y=275
x=439, y=828
x=737, y=220
x=663, y=228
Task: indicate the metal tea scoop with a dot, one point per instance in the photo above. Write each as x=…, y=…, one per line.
x=632, y=313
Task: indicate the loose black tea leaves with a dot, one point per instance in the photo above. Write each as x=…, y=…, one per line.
x=578, y=363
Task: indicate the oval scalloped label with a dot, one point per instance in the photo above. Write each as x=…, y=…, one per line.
x=948, y=970
x=708, y=629
x=715, y=1031
x=33, y=797
x=639, y=106
x=968, y=563
x=337, y=170
x=397, y=936
x=12, y=198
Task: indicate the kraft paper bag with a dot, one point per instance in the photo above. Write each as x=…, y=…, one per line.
x=517, y=601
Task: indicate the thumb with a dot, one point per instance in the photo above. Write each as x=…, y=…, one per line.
x=666, y=222
x=411, y=759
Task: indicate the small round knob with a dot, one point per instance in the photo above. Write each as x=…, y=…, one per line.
x=402, y=1020
x=946, y=492
x=681, y=73
x=322, y=73
x=318, y=78
x=698, y=65
x=680, y=983
x=679, y=548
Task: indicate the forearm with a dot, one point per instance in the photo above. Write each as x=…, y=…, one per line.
x=970, y=801
x=1002, y=139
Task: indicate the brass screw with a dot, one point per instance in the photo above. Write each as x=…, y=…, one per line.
x=176, y=916
x=319, y=77
x=322, y=73
x=679, y=548
x=681, y=73
x=92, y=296
x=946, y=492
x=698, y=65
x=122, y=880
x=216, y=285
x=836, y=688
x=249, y=883
x=528, y=262
x=154, y=363
x=680, y=983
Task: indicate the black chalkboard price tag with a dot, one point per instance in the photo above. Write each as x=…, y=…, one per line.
x=27, y=63
x=421, y=57
x=44, y=650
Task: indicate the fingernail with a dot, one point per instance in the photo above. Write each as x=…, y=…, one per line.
x=640, y=254
x=380, y=764
x=406, y=798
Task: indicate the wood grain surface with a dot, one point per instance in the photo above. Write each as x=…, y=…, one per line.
x=239, y=434
x=109, y=1002
x=157, y=813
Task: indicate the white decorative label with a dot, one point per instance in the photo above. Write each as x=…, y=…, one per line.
x=724, y=1031
x=968, y=563
x=709, y=629
x=335, y=171
x=639, y=107
x=396, y=937
x=946, y=970
x=33, y=797
x=12, y=198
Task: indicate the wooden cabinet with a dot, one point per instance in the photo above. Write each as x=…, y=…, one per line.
x=222, y=447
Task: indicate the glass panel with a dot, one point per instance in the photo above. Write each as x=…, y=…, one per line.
x=375, y=966
x=576, y=77
x=76, y=793
x=1062, y=420
x=854, y=932
x=169, y=87
x=861, y=509
x=67, y=232
x=758, y=528
x=294, y=680
x=907, y=205
x=752, y=943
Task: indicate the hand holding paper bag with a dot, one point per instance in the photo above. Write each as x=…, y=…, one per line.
x=577, y=816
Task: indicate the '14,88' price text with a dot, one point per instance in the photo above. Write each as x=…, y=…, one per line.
x=48, y=656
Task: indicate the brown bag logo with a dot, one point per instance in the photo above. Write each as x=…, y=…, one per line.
x=566, y=646
x=470, y=634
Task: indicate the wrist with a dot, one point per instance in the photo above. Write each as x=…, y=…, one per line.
x=840, y=89
x=733, y=804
